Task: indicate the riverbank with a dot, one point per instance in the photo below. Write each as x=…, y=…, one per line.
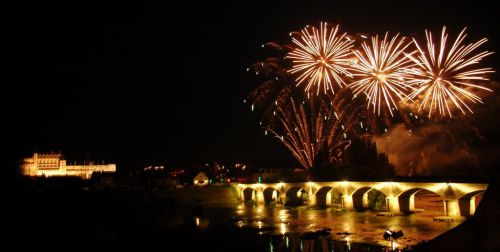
x=210, y=196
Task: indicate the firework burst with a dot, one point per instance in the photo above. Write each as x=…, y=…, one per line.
x=448, y=77
x=321, y=57
x=381, y=69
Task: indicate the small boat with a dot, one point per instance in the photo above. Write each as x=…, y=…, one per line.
x=392, y=234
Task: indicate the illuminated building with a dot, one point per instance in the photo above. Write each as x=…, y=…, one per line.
x=48, y=165
x=201, y=179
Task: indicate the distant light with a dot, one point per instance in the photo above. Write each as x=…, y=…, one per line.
x=283, y=228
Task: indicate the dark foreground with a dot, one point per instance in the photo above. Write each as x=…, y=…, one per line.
x=68, y=217
x=51, y=219
x=74, y=220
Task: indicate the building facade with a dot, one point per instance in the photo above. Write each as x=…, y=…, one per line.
x=53, y=164
x=201, y=179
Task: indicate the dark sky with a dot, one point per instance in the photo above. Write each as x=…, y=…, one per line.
x=142, y=83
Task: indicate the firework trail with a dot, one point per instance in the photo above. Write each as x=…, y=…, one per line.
x=447, y=77
x=317, y=129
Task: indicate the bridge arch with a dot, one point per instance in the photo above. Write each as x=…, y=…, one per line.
x=325, y=196
x=408, y=204
x=467, y=203
x=368, y=197
x=457, y=198
x=296, y=195
x=249, y=194
x=271, y=194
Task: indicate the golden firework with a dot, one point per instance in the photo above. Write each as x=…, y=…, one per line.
x=382, y=71
x=447, y=77
x=322, y=57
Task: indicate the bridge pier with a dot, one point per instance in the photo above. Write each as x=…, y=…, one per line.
x=451, y=207
x=259, y=196
x=283, y=199
x=328, y=200
x=311, y=199
x=392, y=204
x=347, y=202
x=275, y=196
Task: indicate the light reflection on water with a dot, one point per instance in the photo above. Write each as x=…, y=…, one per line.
x=347, y=226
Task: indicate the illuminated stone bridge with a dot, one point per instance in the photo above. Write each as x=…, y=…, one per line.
x=459, y=198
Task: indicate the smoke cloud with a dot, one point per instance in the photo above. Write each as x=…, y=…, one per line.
x=466, y=145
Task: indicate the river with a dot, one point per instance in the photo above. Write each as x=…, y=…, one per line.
x=279, y=228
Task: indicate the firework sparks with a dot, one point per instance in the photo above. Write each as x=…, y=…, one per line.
x=312, y=132
x=382, y=72
x=321, y=57
x=448, y=77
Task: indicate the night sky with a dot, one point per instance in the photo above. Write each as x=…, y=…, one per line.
x=141, y=83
